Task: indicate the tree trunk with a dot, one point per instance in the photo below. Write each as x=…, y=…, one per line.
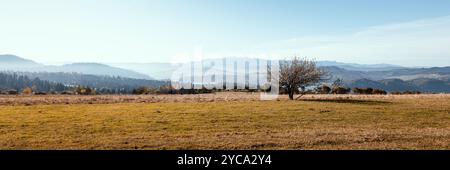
x=291, y=94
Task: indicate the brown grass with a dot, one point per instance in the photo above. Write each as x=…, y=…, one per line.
x=225, y=121
x=214, y=97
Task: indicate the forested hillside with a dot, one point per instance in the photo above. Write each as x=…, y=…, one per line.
x=19, y=82
x=102, y=84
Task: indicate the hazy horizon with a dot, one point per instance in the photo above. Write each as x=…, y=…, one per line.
x=413, y=33
x=181, y=62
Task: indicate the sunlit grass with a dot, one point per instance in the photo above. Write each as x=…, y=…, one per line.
x=344, y=123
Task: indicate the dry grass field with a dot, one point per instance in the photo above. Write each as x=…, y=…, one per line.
x=225, y=121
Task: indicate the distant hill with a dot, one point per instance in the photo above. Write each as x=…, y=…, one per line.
x=15, y=63
x=359, y=67
x=103, y=84
x=101, y=69
x=160, y=71
x=441, y=73
x=8, y=61
x=391, y=85
x=431, y=85
x=344, y=70
x=434, y=79
x=383, y=76
x=400, y=85
x=349, y=75
x=7, y=58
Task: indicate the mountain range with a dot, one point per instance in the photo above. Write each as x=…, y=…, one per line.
x=384, y=76
x=15, y=63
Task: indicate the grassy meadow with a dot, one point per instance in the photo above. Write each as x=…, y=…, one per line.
x=225, y=121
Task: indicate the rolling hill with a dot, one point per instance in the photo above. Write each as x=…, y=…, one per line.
x=16, y=63
x=8, y=61
x=383, y=76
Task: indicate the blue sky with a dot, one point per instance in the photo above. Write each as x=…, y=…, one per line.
x=411, y=33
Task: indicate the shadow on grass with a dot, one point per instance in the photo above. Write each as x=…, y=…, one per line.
x=350, y=101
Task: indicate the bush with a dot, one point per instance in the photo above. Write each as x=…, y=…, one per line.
x=369, y=90
x=84, y=91
x=166, y=89
x=324, y=89
x=340, y=90
x=67, y=93
x=379, y=91
x=40, y=93
x=357, y=90
x=12, y=92
x=143, y=90
x=27, y=91
x=412, y=92
x=396, y=93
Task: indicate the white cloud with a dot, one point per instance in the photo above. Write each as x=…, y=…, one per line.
x=424, y=42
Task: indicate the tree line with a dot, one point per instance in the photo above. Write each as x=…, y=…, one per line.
x=15, y=83
x=71, y=83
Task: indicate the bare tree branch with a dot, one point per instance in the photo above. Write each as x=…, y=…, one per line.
x=298, y=73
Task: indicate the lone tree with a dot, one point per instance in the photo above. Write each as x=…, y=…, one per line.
x=298, y=73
